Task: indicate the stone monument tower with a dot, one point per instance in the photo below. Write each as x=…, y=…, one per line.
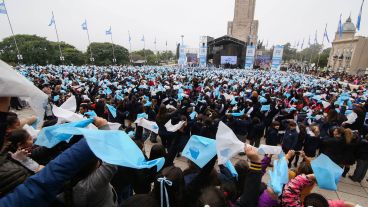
x=243, y=26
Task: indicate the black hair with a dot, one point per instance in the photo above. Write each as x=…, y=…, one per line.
x=315, y=200
x=49, y=123
x=140, y=200
x=229, y=190
x=211, y=196
x=242, y=168
x=157, y=151
x=17, y=137
x=11, y=119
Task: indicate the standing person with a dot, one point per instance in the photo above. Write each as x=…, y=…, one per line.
x=349, y=150
x=299, y=145
x=312, y=141
x=290, y=139
x=272, y=134
x=163, y=116
x=256, y=132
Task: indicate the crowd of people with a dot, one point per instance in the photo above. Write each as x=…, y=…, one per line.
x=305, y=115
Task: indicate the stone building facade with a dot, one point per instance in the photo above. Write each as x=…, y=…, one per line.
x=243, y=26
x=349, y=52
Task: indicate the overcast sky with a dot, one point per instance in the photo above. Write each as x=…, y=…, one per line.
x=280, y=20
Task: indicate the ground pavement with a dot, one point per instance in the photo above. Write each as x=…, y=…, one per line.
x=347, y=190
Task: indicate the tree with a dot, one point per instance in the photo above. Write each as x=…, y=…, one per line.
x=34, y=49
x=311, y=53
x=102, y=52
x=323, y=61
x=70, y=53
x=289, y=53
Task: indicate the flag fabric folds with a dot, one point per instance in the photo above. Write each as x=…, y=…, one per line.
x=360, y=16
x=142, y=38
x=3, y=8
x=325, y=35
x=112, y=110
x=200, y=150
x=52, y=21
x=340, y=28
x=327, y=172
x=114, y=147
x=109, y=32
x=84, y=25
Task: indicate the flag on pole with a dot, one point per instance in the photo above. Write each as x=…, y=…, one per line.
x=3, y=8
x=155, y=41
x=142, y=38
x=166, y=43
x=325, y=35
x=109, y=32
x=84, y=25
x=52, y=21
x=130, y=38
x=297, y=45
x=309, y=42
x=315, y=38
x=360, y=16
x=340, y=27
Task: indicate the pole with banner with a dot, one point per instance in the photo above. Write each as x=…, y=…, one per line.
x=203, y=52
x=85, y=27
x=53, y=22
x=277, y=57
x=249, y=57
x=109, y=32
x=3, y=10
x=182, y=56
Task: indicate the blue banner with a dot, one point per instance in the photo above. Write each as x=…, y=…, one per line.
x=249, y=58
x=277, y=56
x=182, y=56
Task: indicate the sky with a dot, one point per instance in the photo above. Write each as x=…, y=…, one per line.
x=280, y=21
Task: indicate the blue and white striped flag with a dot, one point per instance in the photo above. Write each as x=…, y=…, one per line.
x=142, y=39
x=3, y=8
x=301, y=47
x=340, y=29
x=360, y=16
x=325, y=35
x=130, y=38
x=109, y=32
x=309, y=42
x=52, y=21
x=84, y=25
x=315, y=38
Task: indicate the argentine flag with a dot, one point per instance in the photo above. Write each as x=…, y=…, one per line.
x=108, y=32
x=52, y=21
x=2, y=8
x=84, y=25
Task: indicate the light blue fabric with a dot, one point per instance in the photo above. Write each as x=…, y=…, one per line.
x=265, y=108
x=279, y=176
x=112, y=110
x=56, y=98
x=142, y=115
x=233, y=102
x=49, y=138
x=327, y=172
x=107, y=91
x=114, y=147
x=34, y=124
x=193, y=115
x=241, y=113
x=262, y=99
x=231, y=168
x=148, y=103
x=200, y=150
x=91, y=114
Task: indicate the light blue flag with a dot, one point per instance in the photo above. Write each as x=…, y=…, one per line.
x=233, y=102
x=3, y=8
x=180, y=97
x=56, y=98
x=49, y=138
x=108, y=32
x=325, y=35
x=112, y=110
x=34, y=124
x=52, y=21
x=360, y=16
x=200, y=150
x=279, y=176
x=107, y=91
x=142, y=115
x=114, y=147
x=142, y=38
x=262, y=99
x=118, y=97
x=241, y=113
x=340, y=28
x=231, y=168
x=265, y=108
x=91, y=114
x=130, y=38
x=148, y=103
x=193, y=115
x=327, y=172
x=84, y=25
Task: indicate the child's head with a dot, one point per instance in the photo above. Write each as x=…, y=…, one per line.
x=315, y=130
x=157, y=151
x=19, y=138
x=315, y=200
x=211, y=196
x=229, y=191
x=242, y=169
x=275, y=125
x=304, y=168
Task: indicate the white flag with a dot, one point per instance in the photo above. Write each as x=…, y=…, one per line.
x=174, y=128
x=150, y=125
x=70, y=104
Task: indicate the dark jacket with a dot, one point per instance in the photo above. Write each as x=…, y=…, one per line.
x=256, y=131
x=311, y=145
x=290, y=139
x=333, y=148
x=272, y=137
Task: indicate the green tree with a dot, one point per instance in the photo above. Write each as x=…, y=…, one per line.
x=289, y=53
x=70, y=53
x=102, y=53
x=34, y=49
x=323, y=61
x=311, y=53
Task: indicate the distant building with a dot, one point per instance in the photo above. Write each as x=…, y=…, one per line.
x=349, y=53
x=243, y=26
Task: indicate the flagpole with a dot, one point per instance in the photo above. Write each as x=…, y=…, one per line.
x=19, y=56
x=130, y=48
x=90, y=47
x=113, y=50
x=323, y=40
x=144, y=49
x=57, y=37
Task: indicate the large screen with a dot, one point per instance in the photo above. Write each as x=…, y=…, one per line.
x=232, y=60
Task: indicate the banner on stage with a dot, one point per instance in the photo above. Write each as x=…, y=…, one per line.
x=277, y=56
x=182, y=56
x=249, y=58
x=202, y=56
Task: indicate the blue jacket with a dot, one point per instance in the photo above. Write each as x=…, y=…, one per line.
x=290, y=139
x=42, y=188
